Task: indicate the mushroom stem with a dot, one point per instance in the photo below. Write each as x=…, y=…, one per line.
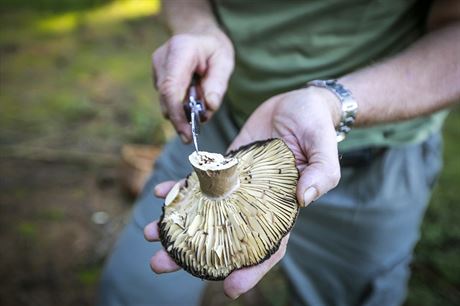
x=218, y=176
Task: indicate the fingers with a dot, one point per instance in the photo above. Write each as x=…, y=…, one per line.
x=151, y=231
x=216, y=80
x=161, y=190
x=158, y=68
x=257, y=127
x=323, y=170
x=162, y=263
x=243, y=137
x=173, y=66
x=180, y=61
x=245, y=279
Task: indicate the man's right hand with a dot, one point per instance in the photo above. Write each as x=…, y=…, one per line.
x=210, y=54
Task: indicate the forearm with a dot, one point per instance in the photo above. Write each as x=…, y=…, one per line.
x=188, y=16
x=423, y=79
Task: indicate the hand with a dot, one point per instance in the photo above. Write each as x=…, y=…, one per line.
x=208, y=53
x=237, y=283
x=305, y=119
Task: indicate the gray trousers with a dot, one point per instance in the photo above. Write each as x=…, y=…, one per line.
x=352, y=246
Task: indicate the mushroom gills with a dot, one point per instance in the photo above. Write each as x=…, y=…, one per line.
x=234, y=210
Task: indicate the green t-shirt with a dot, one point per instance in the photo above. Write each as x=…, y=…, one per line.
x=281, y=44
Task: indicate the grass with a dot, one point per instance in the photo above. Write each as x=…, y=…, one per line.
x=76, y=75
x=27, y=230
x=89, y=276
x=89, y=82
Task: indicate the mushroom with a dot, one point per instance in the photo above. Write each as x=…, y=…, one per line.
x=233, y=210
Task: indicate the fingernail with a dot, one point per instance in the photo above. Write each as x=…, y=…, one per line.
x=183, y=138
x=232, y=296
x=212, y=100
x=235, y=297
x=309, y=196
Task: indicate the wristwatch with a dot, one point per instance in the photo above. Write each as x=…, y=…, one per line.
x=349, y=105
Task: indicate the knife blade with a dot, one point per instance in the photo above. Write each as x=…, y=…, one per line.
x=194, y=109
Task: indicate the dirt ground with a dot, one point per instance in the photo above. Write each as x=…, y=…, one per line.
x=51, y=249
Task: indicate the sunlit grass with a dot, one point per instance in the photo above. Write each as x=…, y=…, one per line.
x=83, y=78
x=112, y=12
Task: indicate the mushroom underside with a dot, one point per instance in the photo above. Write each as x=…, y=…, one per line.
x=209, y=233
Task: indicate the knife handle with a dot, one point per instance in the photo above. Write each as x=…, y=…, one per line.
x=194, y=91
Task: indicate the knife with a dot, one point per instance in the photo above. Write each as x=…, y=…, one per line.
x=194, y=108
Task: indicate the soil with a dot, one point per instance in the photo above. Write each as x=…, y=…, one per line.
x=51, y=249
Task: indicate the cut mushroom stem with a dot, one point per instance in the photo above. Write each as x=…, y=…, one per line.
x=217, y=174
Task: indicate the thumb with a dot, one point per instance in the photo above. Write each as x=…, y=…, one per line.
x=322, y=172
x=220, y=67
x=257, y=127
x=243, y=280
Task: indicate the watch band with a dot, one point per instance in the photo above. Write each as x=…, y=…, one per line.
x=349, y=105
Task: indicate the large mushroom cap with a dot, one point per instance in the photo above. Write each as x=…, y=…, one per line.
x=233, y=211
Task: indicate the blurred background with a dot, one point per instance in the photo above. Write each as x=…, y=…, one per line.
x=75, y=91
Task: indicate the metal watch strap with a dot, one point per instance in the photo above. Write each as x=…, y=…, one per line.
x=349, y=105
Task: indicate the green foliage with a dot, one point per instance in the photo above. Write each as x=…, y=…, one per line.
x=89, y=82
x=51, y=5
x=52, y=214
x=89, y=276
x=27, y=230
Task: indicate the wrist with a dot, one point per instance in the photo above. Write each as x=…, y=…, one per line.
x=348, y=105
x=184, y=17
x=328, y=99
x=209, y=32
x=201, y=27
